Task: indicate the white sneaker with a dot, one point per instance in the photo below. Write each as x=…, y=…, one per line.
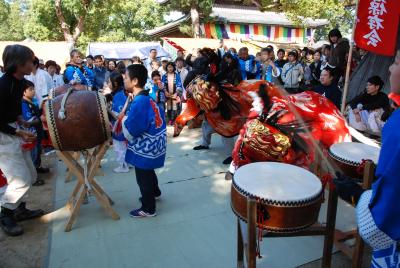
x=121, y=169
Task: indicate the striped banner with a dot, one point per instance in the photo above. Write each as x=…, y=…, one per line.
x=256, y=32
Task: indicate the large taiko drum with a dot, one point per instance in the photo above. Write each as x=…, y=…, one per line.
x=348, y=156
x=57, y=91
x=78, y=120
x=288, y=197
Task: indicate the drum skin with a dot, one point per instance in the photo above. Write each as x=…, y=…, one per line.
x=281, y=218
x=54, y=92
x=86, y=124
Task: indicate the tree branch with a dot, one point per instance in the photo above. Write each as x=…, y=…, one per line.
x=80, y=26
x=61, y=19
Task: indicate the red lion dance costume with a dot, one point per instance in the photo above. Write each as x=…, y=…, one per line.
x=286, y=130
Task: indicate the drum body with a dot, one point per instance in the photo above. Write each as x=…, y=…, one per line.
x=86, y=124
x=348, y=156
x=288, y=197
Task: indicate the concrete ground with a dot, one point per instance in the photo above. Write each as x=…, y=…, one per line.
x=195, y=226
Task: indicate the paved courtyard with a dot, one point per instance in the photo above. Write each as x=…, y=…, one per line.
x=195, y=226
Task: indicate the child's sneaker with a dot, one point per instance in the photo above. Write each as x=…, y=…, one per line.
x=139, y=213
x=121, y=169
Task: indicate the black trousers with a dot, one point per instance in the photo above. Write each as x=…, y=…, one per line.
x=148, y=185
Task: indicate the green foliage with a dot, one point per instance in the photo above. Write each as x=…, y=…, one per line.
x=334, y=11
x=203, y=6
x=105, y=21
x=11, y=17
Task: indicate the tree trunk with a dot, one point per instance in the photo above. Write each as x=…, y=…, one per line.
x=194, y=13
x=371, y=64
x=66, y=29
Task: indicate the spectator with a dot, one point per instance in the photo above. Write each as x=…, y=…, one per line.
x=230, y=71
x=280, y=62
x=51, y=67
x=76, y=73
x=221, y=50
x=173, y=92
x=181, y=69
x=307, y=69
x=292, y=73
x=136, y=60
x=339, y=48
x=366, y=109
x=268, y=67
x=120, y=106
x=112, y=65
x=42, y=81
x=89, y=62
x=249, y=68
x=180, y=54
x=100, y=72
x=258, y=57
x=150, y=59
x=121, y=68
x=155, y=66
x=41, y=65
x=163, y=68
x=156, y=90
x=329, y=87
x=16, y=164
x=303, y=55
x=315, y=68
x=31, y=113
x=233, y=51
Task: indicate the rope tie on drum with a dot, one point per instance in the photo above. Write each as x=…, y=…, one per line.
x=262, y=217
x=61, y=112
x=88, y=187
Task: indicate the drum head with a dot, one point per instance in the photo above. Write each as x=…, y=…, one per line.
x=354, y=152
x=277, y=182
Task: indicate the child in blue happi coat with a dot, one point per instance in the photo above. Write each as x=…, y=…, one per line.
x=31, y=114
x=120, y=106
x=156, y=89
x=145, y=129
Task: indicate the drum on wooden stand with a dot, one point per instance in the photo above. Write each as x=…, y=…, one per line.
x=288, y=197
x=348, y=156
x=78, y=120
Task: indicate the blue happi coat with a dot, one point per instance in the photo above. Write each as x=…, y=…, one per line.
x=378, y=211
x=145, y=129
x=82, y=75
x=118, y=103
x=249, y=68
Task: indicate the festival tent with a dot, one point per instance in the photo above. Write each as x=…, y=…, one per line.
x=125, y=50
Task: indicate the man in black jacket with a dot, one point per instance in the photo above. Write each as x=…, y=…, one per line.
x=366, y=110
x=16, y=164
x=329, y=87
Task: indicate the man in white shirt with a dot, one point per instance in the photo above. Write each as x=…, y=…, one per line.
x=57, y=80
x=42, y=81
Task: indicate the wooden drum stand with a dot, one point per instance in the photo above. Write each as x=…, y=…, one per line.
x=86, y=183
x=247, y=244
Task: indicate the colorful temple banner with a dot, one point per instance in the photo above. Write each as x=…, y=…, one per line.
x=256, y=32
